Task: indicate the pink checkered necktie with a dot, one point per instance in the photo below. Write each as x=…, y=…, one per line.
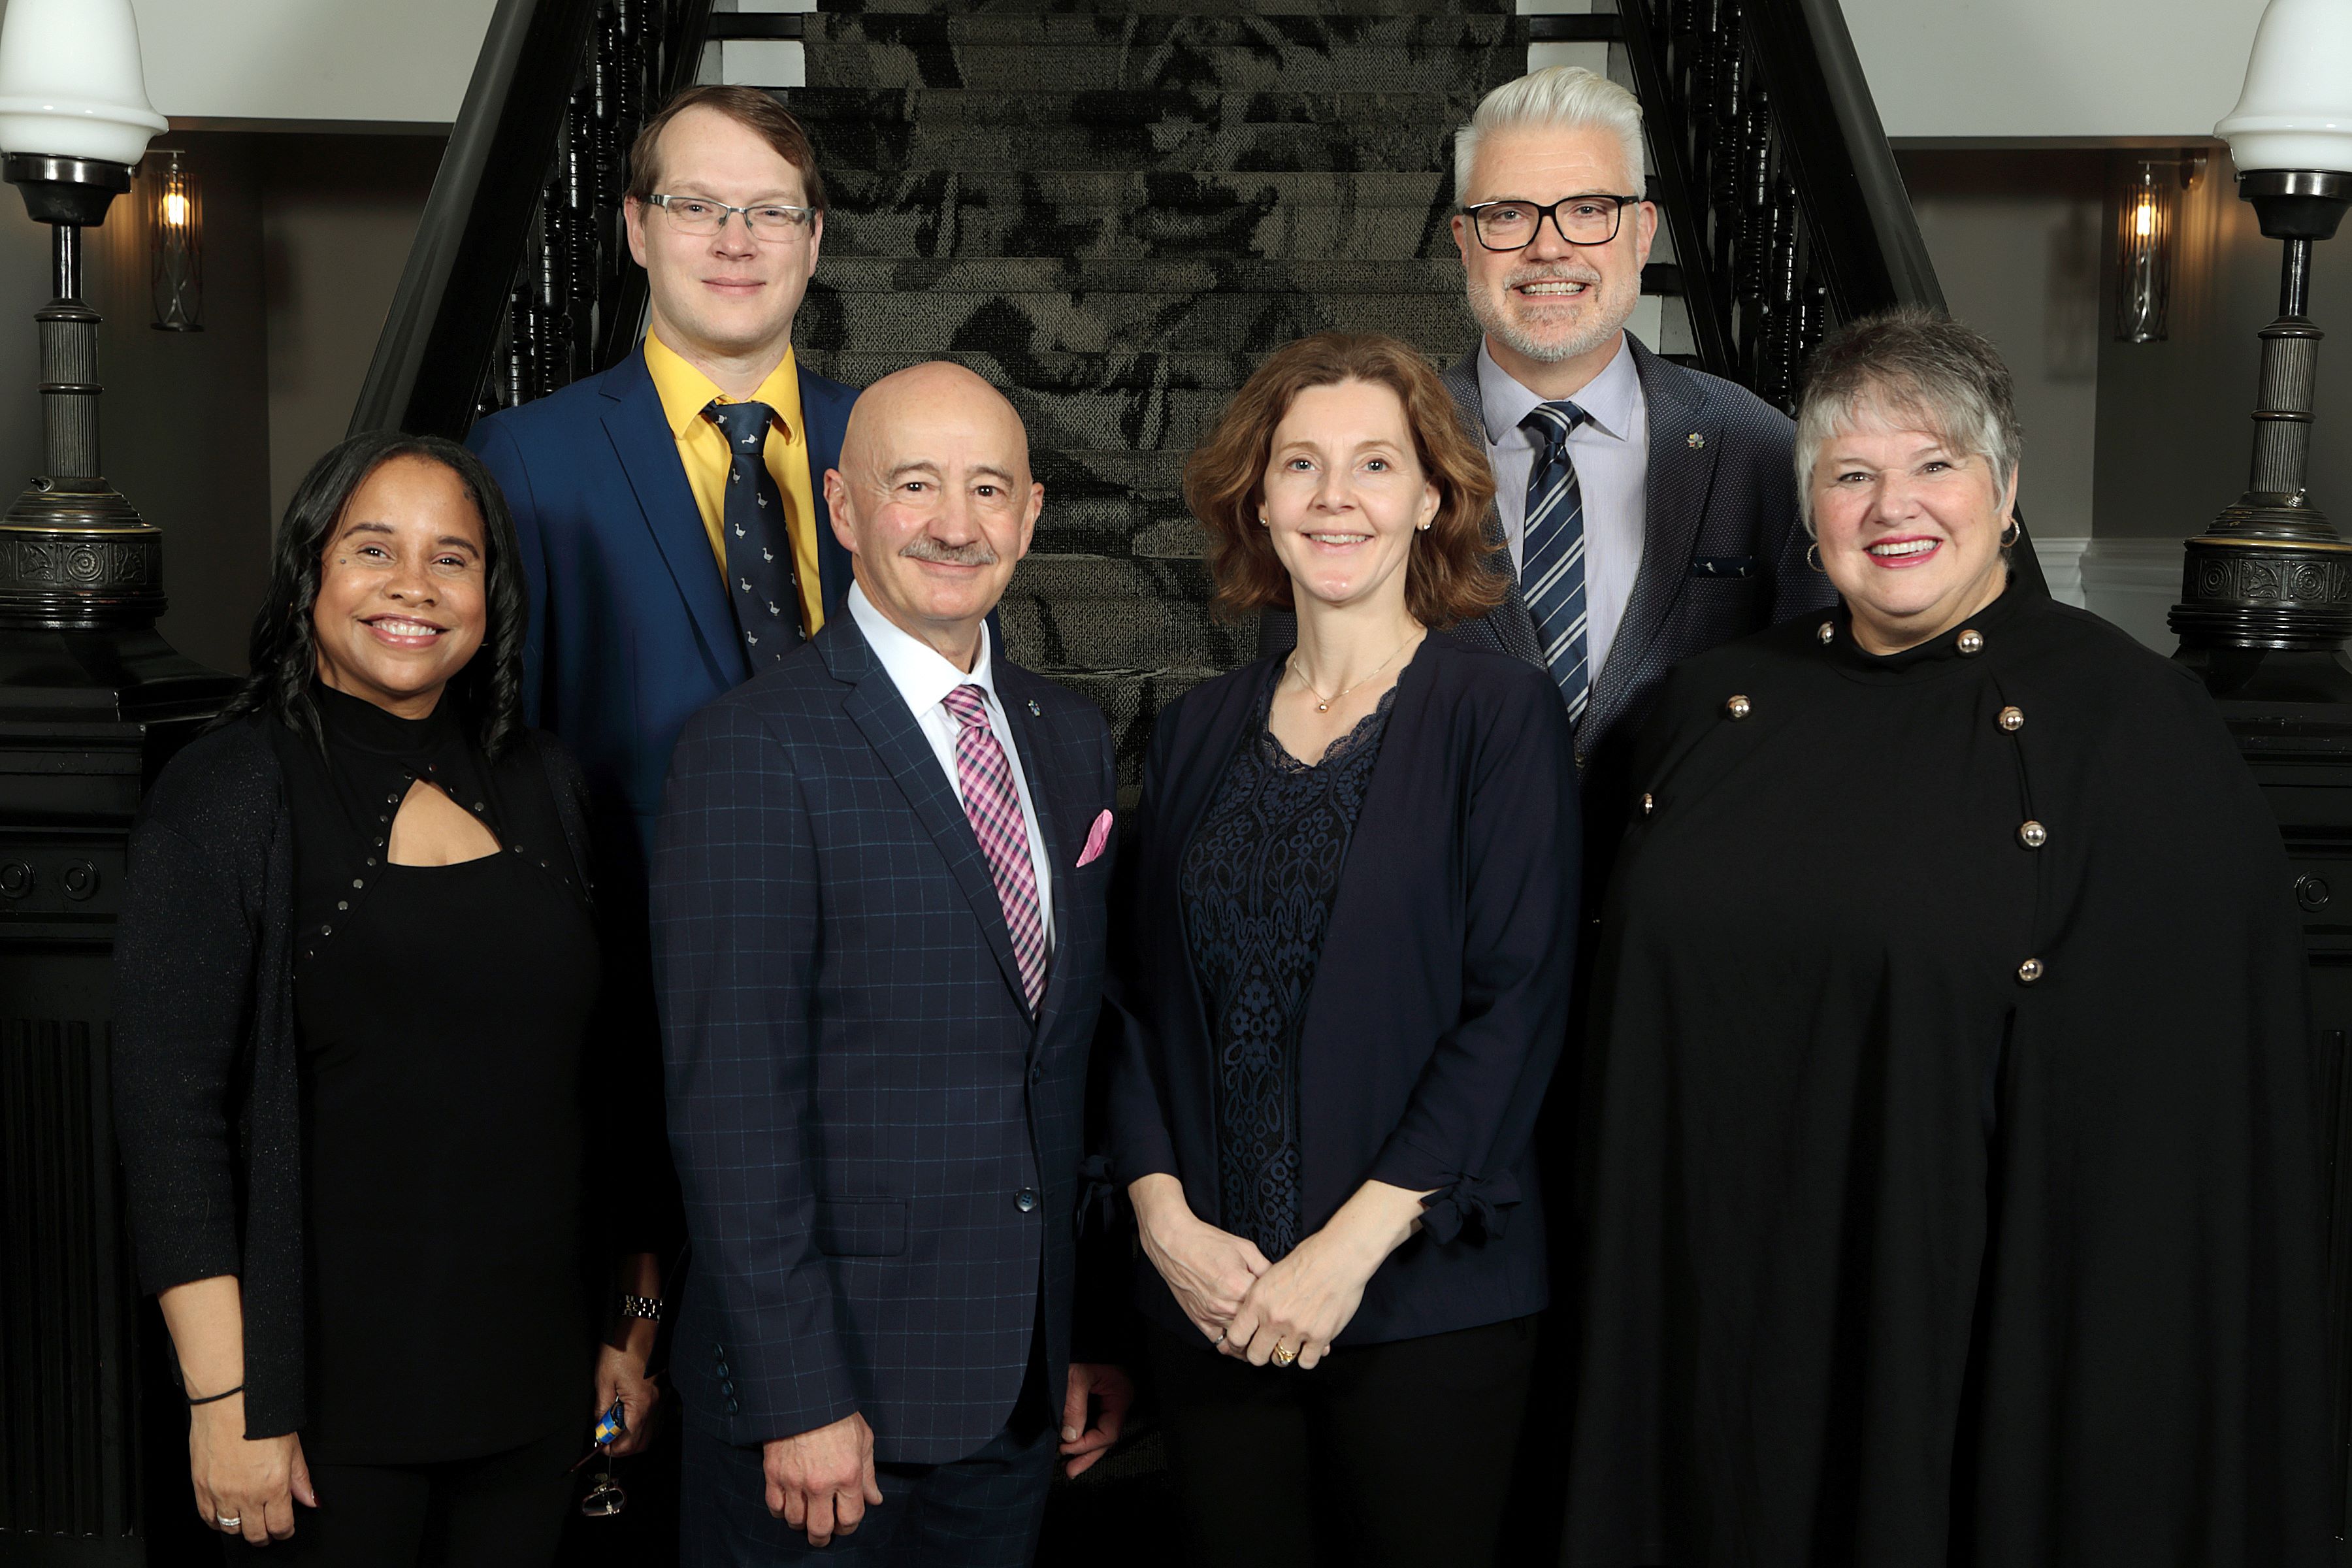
x=995, y=812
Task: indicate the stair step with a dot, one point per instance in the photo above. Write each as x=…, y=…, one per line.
x=1266, y=229
x=1451, y=29
x=1017, y=324
x=1129, y=274
x=898, y=148
x=1121, y=633
x=1233, y=67
x=1166, y=7
x=1128, y=190
x=1422, y=102
x=1155, y=476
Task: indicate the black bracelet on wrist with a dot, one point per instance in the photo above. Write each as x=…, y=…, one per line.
x=215, y=1398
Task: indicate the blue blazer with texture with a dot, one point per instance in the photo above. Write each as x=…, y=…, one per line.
x=1440, y=1000
x=630, y=628
x=880, y=1151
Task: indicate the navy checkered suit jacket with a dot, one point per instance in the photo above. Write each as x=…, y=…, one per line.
x=879, y=1150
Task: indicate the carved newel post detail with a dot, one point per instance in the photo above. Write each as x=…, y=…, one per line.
x=77, y=554
x=2273, y=576
x=92, y=701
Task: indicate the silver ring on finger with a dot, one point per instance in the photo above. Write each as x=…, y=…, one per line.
x=1219, y=1339
x=230, y=1522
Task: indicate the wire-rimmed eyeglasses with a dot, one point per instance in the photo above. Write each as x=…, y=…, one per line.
x=771, y=222
x=1589, y=219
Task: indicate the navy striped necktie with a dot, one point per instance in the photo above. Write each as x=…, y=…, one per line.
x=762, y=583
x=1552, y=556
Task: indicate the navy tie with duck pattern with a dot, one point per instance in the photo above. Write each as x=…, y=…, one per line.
x=761, y=581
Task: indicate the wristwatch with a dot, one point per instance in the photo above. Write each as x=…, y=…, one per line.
x=642, y=1307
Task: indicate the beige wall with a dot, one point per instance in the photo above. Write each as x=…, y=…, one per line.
x=2175, y=436
x=337, y=219
x=207, y=433
x=315, y=60
x=1978, y=70
x=2015, y=237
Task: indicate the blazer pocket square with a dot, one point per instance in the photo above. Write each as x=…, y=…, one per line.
x=1097, y=839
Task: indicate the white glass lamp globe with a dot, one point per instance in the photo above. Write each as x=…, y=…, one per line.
x=2296, y=111
x=70, y=82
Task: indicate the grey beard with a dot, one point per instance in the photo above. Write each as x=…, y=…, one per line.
x=976, y=554
x=1492, y=320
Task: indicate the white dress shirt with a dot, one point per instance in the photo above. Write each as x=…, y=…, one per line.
x=1610, y=451
x=924, y=679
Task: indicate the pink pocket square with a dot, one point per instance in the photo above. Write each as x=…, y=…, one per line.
x=1097, y=836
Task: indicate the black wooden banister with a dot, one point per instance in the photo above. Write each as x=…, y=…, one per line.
x=1873, y=254
x=444, y=320
x=519, y=282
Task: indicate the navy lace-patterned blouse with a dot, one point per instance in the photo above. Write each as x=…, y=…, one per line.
x=1258, y=879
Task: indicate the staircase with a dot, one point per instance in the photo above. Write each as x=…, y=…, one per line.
x=1114, y=212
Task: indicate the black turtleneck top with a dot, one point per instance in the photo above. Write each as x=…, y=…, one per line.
x=442, y=1012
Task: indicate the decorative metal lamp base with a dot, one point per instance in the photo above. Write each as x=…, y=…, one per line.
x=2266, y=593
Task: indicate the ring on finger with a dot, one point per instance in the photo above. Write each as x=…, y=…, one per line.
x=1282, y=1354
x=230, y=1522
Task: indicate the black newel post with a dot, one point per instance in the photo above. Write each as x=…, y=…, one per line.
x=2266, y=606
x=92, y=701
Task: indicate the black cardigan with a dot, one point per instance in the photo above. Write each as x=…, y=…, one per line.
x=1440, y=1002
x=206, y=1095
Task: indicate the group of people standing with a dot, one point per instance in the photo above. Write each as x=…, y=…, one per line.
x=1678, y=1014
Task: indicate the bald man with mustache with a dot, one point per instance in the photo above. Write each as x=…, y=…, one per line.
x=878, y=920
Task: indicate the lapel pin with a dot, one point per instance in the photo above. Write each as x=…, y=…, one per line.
x=1035, y=710
x=1697, y=441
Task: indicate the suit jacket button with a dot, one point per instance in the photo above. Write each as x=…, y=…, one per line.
x=1025, y=1199
x=733, y=1408
x=1036, y=1076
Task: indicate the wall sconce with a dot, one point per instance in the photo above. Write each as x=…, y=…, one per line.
x=176, y=230
x=2147, y=228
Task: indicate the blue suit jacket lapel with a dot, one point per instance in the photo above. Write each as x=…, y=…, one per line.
x=881, y=713
x=1056, y=818
x=648, y=452
x=826, y=415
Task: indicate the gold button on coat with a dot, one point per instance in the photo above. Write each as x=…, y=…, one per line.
x=1649, y=805
x=1828, y=634
x=1972, y=641
x=2034, y=835
x=1738, y=708
x=2028, y=971
x=2012, y=719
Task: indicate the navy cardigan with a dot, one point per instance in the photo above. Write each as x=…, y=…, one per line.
x=1439, y=1005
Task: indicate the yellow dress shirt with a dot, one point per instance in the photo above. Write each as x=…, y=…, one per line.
x=702, y=449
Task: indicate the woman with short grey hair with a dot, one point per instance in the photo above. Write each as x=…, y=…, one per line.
x=1952, y=1194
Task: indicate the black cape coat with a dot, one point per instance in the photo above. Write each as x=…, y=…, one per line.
x=1950, y=1190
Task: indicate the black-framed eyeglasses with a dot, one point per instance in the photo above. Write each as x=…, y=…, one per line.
x=1589, y=219
x=771, y=222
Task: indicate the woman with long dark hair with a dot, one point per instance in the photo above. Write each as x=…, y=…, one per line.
x=356, y=973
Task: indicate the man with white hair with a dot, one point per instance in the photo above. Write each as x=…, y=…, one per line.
x=1649, y=509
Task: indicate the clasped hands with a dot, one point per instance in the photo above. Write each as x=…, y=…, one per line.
x=1250, y=1307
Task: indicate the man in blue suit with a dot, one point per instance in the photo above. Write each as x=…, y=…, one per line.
x=671, y=509
x=878, y=928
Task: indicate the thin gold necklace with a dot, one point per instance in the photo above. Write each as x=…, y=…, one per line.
x=1323, y=703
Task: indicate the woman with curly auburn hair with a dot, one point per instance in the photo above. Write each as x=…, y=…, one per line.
x=355, y=977
x=1344, y=940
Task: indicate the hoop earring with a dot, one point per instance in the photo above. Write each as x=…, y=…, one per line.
x=2011, y=534
x=1814, y=556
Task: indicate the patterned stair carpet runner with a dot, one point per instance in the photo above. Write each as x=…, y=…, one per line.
x=1115, y=212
